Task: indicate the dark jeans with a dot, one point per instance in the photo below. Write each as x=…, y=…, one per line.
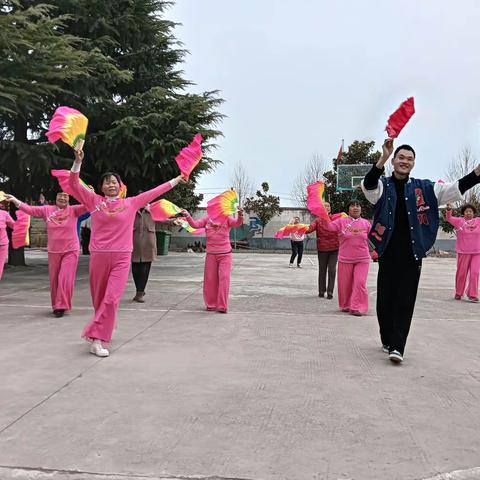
x=327, y=262
x=397, y=285
x=297, y=249
x=140, y=272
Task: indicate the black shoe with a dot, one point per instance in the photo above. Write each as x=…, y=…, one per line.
x=385, y=349
x=329, y=296
x=321, y=295
x=58, y=313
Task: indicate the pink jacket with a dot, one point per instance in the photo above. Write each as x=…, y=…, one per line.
x=218, y=234
x=468, y=233
x=113, y=219
x=353, y=237
x=61, y=225
x=5, y=221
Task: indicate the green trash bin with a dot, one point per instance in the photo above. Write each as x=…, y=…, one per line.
x=163, y=242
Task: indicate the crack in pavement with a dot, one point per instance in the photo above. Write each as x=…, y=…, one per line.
x=29, y=473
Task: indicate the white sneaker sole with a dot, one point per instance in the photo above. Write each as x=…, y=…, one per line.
x=102, y=353
x=395, y=358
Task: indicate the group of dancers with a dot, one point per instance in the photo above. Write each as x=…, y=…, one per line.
x=404, y=228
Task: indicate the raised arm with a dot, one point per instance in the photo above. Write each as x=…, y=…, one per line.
x=82, y=194
x=312, y=227
x=200, y=223
x=334, y=226
x=455, y=221
x=453, y=191
x=146, y=197
x=80, y=210
x=236, y=222
x=28, y=209
x=371, y=186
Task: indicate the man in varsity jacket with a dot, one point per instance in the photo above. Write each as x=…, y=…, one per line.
x=404, y=228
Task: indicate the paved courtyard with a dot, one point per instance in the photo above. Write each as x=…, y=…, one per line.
x=284, y=387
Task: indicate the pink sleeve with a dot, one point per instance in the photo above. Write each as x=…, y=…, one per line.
x=334, y=226
x=455, y=221
x=147, y=197
x=200, y=223
x=82, y=194
x=9, y=221
x=235, y=222
x=79, y=210
x=34, y=211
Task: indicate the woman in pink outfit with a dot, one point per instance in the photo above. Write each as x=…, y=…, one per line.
x=5, y=221
x=63, y=246
x=353, y=260
x=218, y=261
x=467, y=229
x=111, y=246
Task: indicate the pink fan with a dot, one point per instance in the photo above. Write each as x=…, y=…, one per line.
x=190, y=156
x=399, y=118
x=315, y=195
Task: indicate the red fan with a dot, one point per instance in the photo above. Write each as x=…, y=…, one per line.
x=399, y=118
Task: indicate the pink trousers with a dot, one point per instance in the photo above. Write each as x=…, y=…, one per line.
x=352, y=286
x=3, y=258
x=468, y=266
x=108, y=278
x=216, y=280
x=62, y=268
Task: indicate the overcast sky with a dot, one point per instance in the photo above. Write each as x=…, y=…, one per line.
x=298, y=76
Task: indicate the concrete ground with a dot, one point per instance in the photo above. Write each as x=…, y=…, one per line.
x=284, y=387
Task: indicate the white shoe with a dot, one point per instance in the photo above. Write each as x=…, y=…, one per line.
x=385, y=349
x=97, y=349
x=395, y=356
x=291, y=265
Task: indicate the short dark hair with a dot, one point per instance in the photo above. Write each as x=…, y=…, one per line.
x=107, y=175
x=404, y=147
x=353, y=202
x=468, y=205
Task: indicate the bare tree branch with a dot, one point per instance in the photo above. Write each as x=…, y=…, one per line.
x=242, y=183
x=460, y=166
x=312, y=172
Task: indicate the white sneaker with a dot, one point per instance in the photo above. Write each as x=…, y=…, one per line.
x=97, y=349
x=385, y=349
x=291, y=265
x=395, y=356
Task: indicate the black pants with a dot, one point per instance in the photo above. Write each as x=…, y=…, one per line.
x=397, y=285
x=140, y=272
x=327, y=263
x=85, y=240
x=297, y=248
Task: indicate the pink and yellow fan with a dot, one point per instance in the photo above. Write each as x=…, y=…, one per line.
x=20, y=234
x=315, y=199
x=2, y=196
x=62, y=177
x=123, y=190
x=186, y=226
x=223, y=206
x=163, y=210
x=339, y=215
x=68, y=125
x=190, y=156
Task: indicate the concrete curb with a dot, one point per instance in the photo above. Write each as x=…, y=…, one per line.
x=470, y=474
x=21, y=473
